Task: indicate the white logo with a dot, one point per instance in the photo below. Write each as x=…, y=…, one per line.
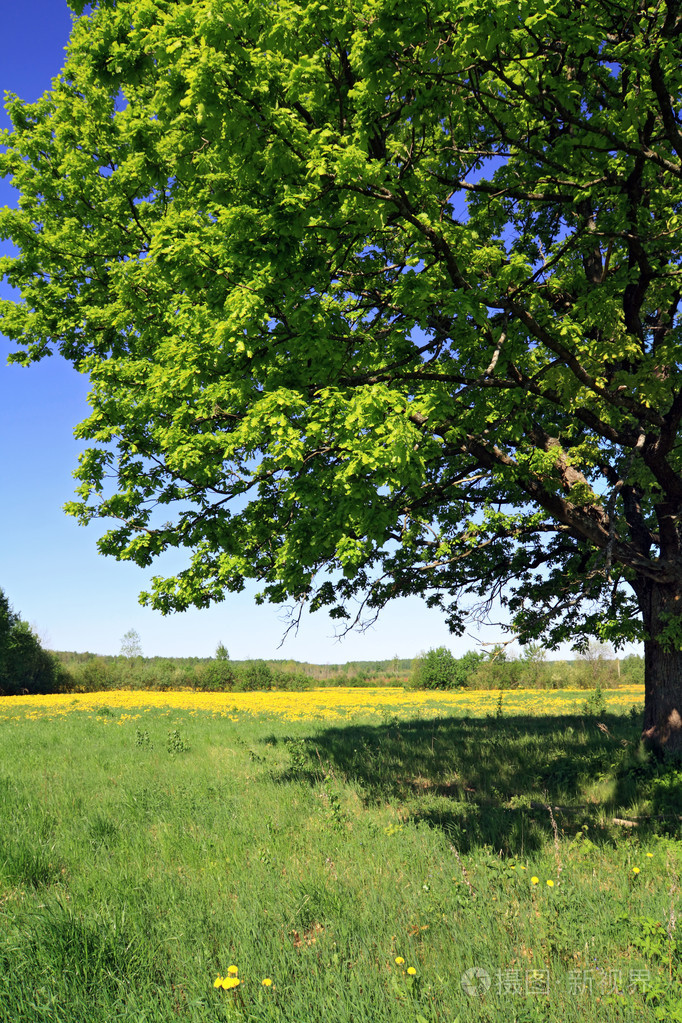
x=476, y=981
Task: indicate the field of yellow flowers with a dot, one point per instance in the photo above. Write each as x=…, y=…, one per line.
x=335, y=704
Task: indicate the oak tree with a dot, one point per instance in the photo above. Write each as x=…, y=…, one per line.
x=377, y=298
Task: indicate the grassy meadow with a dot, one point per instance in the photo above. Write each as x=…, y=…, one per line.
x=344, y=855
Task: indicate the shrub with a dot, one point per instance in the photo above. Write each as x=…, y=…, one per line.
x=293, y=681
x=216, y=676
x=163, y=675
x=439, y=669
x=254, y=675
x=94, y=675
x=632, y=670
x=496, y=671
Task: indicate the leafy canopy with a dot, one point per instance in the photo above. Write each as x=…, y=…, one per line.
x=24, y=666
x=439, y=669
x=376, y=298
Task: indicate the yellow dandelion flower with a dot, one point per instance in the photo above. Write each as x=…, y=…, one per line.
x=635, y=870
x=266, y=982
x=399, y=960
x=232, y=971
x=535, y=880
x=230, y=982
x=411, y=970
x=650, y=855
x=550, y=883
x=218, y=981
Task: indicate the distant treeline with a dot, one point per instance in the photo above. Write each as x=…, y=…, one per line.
x=26, y=668
x=86, y=672
x=532, y=671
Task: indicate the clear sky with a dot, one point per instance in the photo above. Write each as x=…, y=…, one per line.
x=49, y=565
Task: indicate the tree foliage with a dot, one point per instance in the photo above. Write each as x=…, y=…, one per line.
x=131, y=644
x=439, y=669
x=376, y=299
x=25, y=668
x=221, y=652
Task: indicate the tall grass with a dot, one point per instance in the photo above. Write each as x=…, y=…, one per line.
x=142, y=856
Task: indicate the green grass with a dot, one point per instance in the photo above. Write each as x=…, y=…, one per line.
x=140, y=859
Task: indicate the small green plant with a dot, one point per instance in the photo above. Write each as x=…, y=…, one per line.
x=389, y=719
x=176, y=744
x=595, y=704
x=142, y=739
x=330, y=795
x=651, y=938
x=298, y=754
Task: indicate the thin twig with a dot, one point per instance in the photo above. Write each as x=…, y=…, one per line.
x=464, y=873
x=557, y=851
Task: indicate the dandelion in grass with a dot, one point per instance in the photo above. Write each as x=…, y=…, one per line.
x=411, y=970
x=650, y=855
x=228, y=982
x=635, y=870
x=399, y=960
x=266, y=982
x=550, y=883
x=535, y=880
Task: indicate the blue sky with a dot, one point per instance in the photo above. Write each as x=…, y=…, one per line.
x=49, y=565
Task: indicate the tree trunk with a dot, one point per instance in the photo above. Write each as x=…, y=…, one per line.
x=662, y=670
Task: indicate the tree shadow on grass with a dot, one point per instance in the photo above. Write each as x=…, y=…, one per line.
x=489, y=781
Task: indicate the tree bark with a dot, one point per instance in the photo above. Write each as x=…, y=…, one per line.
x=662, y=731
